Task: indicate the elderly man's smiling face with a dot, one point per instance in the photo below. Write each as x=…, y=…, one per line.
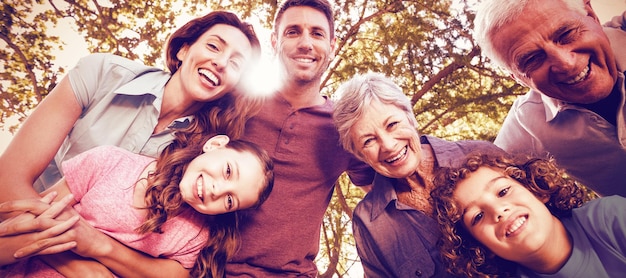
x=558, y=51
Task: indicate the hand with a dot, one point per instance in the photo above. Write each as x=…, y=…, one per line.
x=36, y=206
x=64, y=228
x=35, y=231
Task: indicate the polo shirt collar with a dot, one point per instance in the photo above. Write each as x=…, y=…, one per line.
x=154, y=85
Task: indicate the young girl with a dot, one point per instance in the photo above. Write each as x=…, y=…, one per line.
x=179, y=207
x=525, y=217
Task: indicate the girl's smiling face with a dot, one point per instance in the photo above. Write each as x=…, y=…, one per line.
x=505, y=216
x=222, y=179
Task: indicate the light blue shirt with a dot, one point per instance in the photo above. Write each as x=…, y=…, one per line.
x=121, y=101
x=598, y=232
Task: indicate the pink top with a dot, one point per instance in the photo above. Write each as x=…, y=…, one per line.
x=102, y=180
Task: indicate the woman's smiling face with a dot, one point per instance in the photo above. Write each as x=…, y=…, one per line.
x=385, y=139
x=212, y=66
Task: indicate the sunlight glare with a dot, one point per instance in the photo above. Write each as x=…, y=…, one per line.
x=262, y=79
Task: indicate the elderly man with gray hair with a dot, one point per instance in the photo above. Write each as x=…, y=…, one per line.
x=575, y=108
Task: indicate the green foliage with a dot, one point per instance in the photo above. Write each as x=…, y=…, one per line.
x=425, y=45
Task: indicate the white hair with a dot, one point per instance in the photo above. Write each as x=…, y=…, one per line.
x=493, y=14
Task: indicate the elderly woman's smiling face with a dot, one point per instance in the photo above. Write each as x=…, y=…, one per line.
x=386, y=140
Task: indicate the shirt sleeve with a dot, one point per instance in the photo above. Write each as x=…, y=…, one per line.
x=615, y=30
x=618, y=22
x=359, y=172
x=608, y=215
x=86, y=76
x=95, y=75
x=513, y=137
x=372, y=266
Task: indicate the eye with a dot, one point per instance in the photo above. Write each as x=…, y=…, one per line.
x=477, y=218
x=236, y=63
x=229, y=202
x=213, y=46
x=367, y=142
x=503, y=192
x=291, y=32
x=228, y=170
x=392, y=124
x=531, y=62
x=318, y=34
x=568, y=36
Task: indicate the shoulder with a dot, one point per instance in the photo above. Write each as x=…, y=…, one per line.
x=109, y=151
x=529, y=100
x=603, y=203
x=602, y=211
x=450, y=153
x=616, y=34
x=107, y=61
x=376, y=201
x=109, y=155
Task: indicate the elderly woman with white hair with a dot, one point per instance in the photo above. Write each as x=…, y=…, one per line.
x=394, y=226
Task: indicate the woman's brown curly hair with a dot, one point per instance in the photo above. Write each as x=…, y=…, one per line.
x=164, y=201
x=463, y=254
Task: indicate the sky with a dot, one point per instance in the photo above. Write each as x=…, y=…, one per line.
x=77, y=48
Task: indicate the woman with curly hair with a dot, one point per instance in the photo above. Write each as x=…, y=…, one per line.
x=180, y=207
x=503, y=216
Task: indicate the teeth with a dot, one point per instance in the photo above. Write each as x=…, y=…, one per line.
x=199, y=185
x=518, y=223
x=209, y=76
x=304, y=60
x=579, y=77
x=401, y=154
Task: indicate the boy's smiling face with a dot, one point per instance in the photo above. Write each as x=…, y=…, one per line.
x=505, y=216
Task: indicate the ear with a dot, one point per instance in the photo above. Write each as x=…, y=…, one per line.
x=274, y=40
x=590, y=12
x=518, y=80
x=544, y=199
x=333, y=51
x=215, y=142
x=182, y=53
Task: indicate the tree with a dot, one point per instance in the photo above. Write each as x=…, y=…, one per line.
x=425, y=45
x=134, y=29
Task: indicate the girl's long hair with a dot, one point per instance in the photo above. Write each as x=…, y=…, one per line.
x=463, y=254
x=164, y=201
